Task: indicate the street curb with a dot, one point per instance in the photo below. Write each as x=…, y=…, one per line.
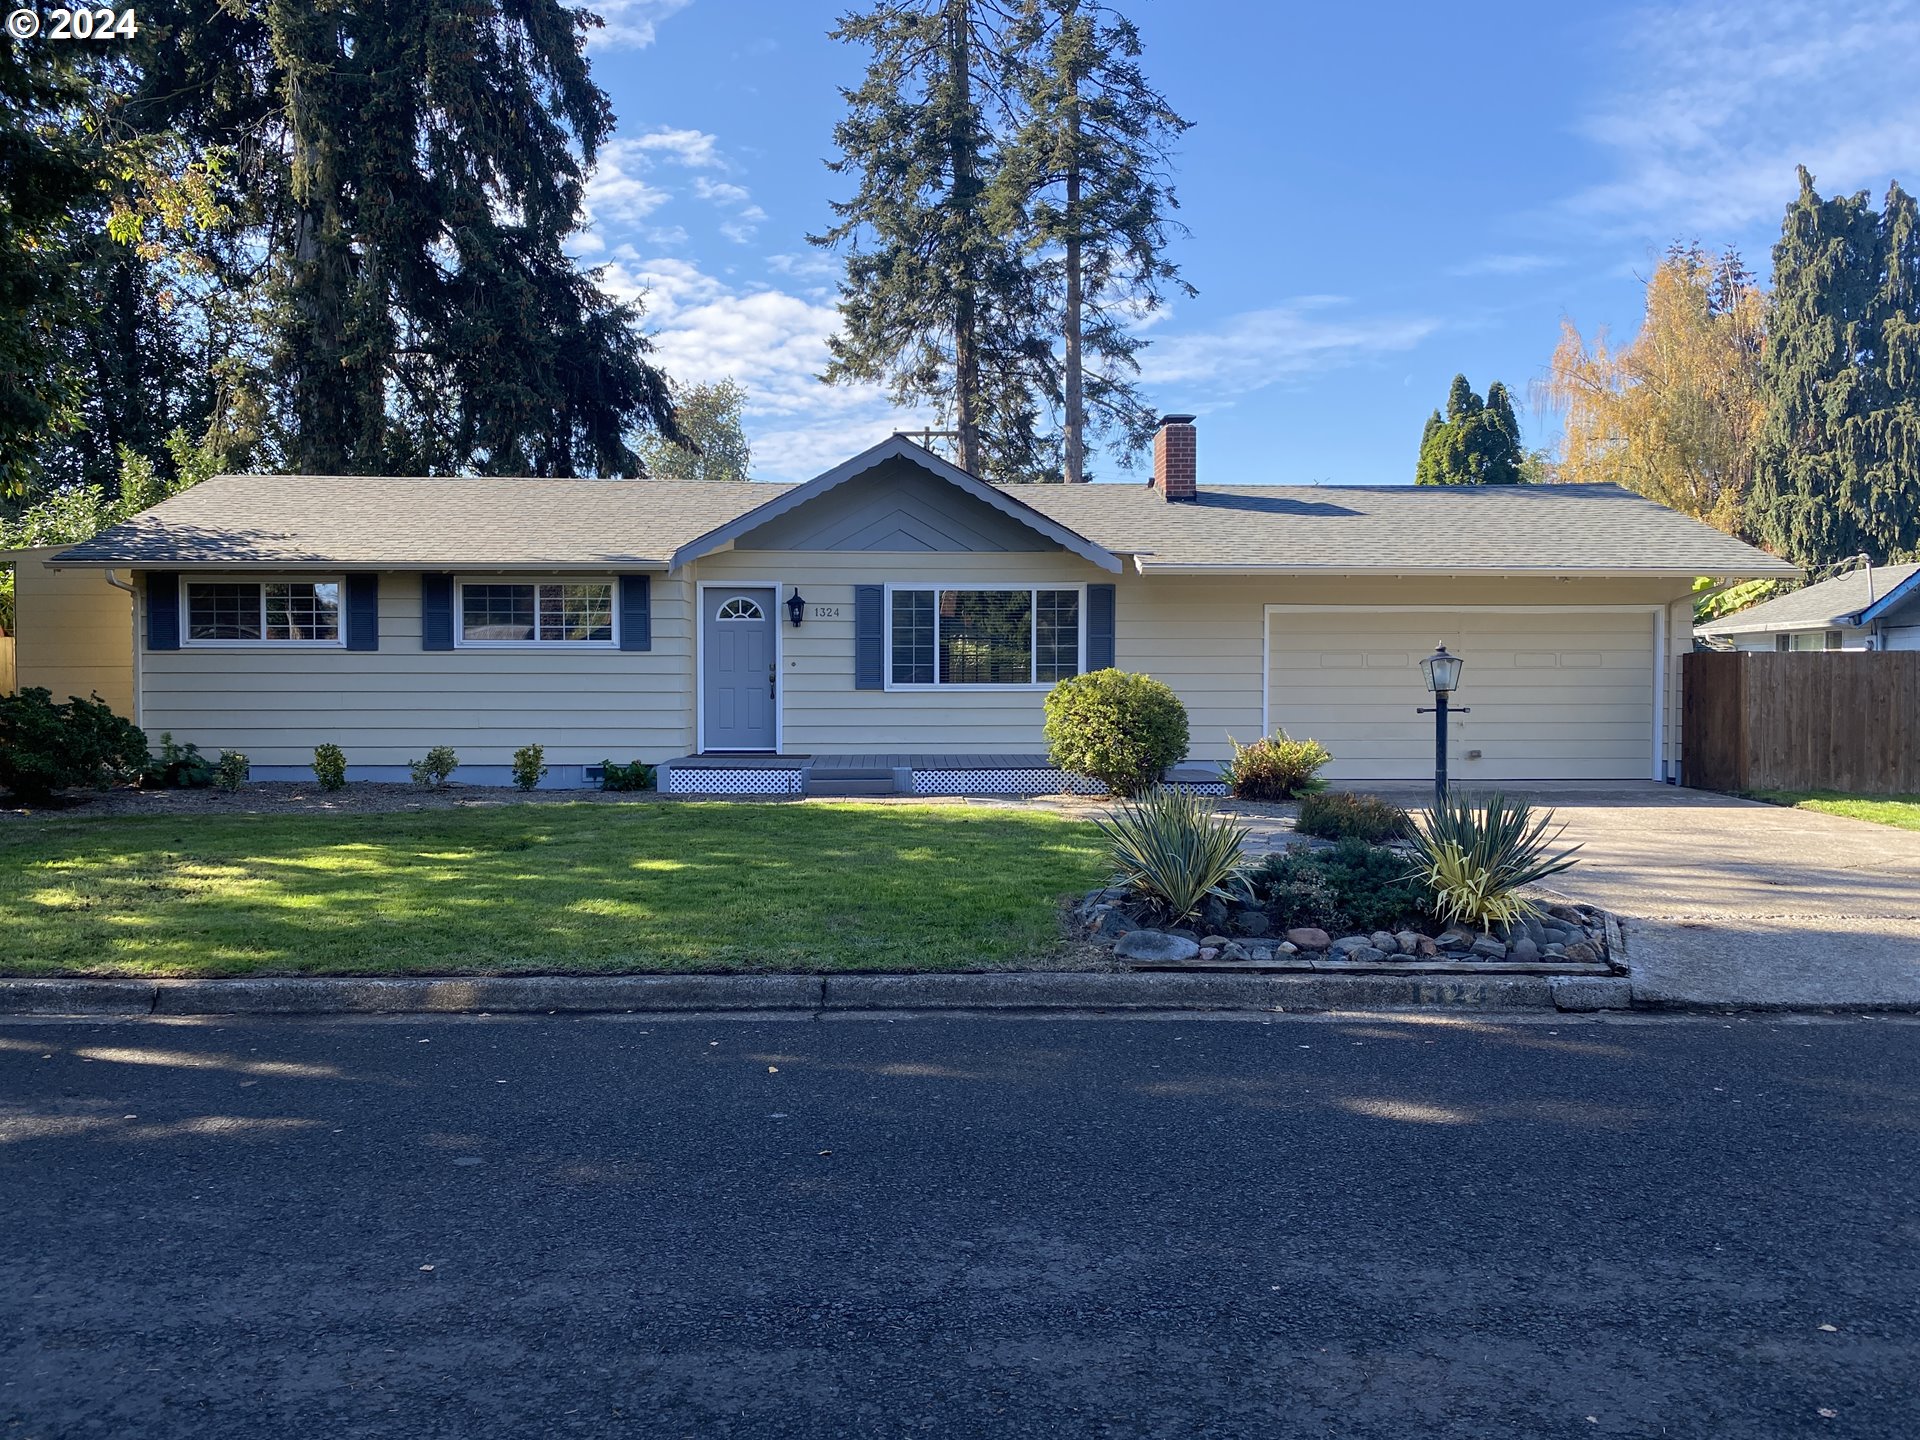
x=999, y=990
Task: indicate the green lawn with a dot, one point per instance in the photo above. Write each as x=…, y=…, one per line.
x=575, y=888
x=1900, y=810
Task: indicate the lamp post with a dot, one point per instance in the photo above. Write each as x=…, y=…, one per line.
x=1442, y=672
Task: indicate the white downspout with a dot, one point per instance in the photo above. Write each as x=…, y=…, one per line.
x=138, y=697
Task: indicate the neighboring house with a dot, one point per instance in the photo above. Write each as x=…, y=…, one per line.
x=73, y=631
x=1877, y=609
x=656, y=619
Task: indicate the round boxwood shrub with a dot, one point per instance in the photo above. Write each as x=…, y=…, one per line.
x=1115, y=727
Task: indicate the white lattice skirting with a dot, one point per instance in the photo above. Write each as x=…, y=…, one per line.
x=763, y=780
x=1001, y=782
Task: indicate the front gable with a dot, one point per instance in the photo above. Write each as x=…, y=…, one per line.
x=896, y=505
x=896, y=497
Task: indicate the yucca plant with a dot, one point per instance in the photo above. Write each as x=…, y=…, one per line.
x=1475, y=855
x=1170, y=847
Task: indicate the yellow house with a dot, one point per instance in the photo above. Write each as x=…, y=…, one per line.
x=73, y=631
x=895, y=623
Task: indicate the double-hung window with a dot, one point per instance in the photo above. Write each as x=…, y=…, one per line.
x=556, y=612
x=256, y=612
x=982, y=636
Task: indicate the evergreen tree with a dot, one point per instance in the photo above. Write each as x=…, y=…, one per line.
x=713, y=443
x=935, y=302
x=48, y=165
x=1477, y=444
x=1837, y=462
x=1083, y=180
x=332, y=240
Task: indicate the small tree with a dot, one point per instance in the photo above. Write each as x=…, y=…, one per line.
x=713, y=443
x=1121, y=729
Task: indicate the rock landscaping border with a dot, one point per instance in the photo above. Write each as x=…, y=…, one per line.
x=1566, y=939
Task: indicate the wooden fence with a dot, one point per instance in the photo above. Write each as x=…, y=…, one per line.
x=1802, y=720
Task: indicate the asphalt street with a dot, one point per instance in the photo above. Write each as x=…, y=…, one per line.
x=1431, y=1226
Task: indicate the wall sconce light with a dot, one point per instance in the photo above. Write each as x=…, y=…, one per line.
x=796, y=607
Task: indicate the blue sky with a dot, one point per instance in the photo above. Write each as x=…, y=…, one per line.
x=1379, y=196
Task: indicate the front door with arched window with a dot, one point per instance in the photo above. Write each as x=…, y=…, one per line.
x=738, y=676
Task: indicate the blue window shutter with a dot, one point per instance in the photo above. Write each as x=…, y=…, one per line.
x=636, y=612
x=869, y=641
x=363, y=612
x=436, y=612
x=1099, y=627
x=163, y=610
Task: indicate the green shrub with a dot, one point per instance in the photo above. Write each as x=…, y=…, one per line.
x=177, y=767
x=231, y=770
x=1169, y=847
x=46, y=747
x=433, y=772
x=1340, y=815
x=637, y=776
x=1274, y=767
x=529, y=766
x=1115, y=727
x=1352, y=887
x=1474, y=855
x=330, y=767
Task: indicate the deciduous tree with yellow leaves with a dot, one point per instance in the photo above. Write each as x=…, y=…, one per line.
x=1673, y=413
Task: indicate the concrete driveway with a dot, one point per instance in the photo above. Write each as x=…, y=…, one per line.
x=1731, y=902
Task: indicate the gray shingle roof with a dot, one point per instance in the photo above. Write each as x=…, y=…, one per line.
x=296, y=522
x=1559, y=529
x=1831, y=602
x=307, y=521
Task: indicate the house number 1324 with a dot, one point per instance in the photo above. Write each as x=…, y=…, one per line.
x=824, y=612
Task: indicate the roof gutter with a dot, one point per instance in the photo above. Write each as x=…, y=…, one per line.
x=357, y=567
x=1540, y=572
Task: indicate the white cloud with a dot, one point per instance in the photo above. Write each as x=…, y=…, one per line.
x=615, y=192
x=1285, y=342
x=720, y=192
x=695, y=149
x=747, y=216
x=1729, y=96
x=774, y=343
x=630, y=24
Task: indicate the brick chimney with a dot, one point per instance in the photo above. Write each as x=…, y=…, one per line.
x=1176, y=471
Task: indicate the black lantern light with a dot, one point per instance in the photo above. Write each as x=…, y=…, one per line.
x=1442, y=672
x=796, y=607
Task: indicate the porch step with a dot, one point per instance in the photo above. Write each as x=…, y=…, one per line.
x=849, y=782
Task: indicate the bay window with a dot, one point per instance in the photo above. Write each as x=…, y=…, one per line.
x=982, y=636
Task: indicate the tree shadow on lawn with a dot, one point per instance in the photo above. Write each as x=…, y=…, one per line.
x=557, y=888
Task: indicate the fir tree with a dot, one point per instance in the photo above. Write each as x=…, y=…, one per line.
x=1837, y=462
x=48, y=164
x=1477, y=444
x=1083, y=181
x=935, y=303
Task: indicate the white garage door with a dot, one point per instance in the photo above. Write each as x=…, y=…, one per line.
x=1554, y=694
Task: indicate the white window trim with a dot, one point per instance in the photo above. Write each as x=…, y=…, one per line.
x=185, y=602
x=958, y=687
x=460, y=641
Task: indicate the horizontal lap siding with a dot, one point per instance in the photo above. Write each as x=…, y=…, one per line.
x=822, y=711
x=1202, y=636
x=1565, y=695
x=75, y=632
x=388, y=706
